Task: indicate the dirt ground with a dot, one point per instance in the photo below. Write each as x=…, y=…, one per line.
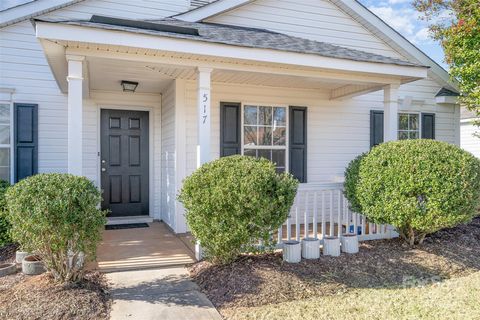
x=254, y=281
x=38, y=297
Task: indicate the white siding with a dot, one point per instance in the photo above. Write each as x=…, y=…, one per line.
x=23, y=67
x=312, y=19
x=337, y=130
x=168, y=156
x=468, y=141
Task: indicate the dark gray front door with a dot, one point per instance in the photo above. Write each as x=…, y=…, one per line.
x=124, y=162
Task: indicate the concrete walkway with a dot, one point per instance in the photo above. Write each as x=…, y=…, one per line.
x=160, y=294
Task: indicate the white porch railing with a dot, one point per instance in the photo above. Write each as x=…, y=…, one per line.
x=321, y=210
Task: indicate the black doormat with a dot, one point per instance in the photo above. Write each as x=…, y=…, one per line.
x=126, y=226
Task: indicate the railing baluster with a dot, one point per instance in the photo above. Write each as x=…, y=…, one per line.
x=332, y=222
x=339, y=205
x=305, y=218
x=289, y=229
x=297, y=224
x=315, y=212
x=324, y=224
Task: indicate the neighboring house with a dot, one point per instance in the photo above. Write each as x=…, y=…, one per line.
x=469, y=134
x=307, y=84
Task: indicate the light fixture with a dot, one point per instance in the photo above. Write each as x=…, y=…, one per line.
x=129, y=86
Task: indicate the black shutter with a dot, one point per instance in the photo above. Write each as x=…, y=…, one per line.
x=376, y=127
x=230, y=129
x=428, y=126
x=25, y=140
x=298, y=143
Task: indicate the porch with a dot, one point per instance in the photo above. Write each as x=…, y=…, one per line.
x=182, y=84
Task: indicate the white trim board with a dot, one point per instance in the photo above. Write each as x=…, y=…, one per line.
x=32, y=9
x=62, y=32
x=358, y=12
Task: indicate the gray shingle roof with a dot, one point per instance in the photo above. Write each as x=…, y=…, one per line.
x=247, y=37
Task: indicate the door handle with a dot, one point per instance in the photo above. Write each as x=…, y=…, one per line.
x=103, y=169
x=103, y=161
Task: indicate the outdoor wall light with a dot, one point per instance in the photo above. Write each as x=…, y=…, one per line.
x=129, y=86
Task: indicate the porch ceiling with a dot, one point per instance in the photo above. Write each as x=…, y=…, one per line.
x=106, y=74
x=153, y=61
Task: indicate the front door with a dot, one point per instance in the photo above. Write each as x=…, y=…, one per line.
x=124, y=162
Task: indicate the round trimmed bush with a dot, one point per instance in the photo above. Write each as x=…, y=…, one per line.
x=56, y=216
x=419, y=186
x=234, y=202
x=4, y=224
x=351, y=182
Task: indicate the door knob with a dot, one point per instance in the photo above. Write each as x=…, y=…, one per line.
x=103, y=169
x=103, y=161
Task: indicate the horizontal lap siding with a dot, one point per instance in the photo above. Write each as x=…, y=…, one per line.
x=168, y=156
x=337, y=130
x=313, y=19
x=470, y=142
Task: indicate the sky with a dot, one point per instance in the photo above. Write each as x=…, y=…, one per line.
x=398, y=13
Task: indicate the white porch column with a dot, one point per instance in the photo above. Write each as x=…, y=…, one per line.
x=390, y=123
x=203, y=106
x=75, y=114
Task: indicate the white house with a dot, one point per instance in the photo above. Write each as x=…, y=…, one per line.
x=469, y=134
x=136, y=94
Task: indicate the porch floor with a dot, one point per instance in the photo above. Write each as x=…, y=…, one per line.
x=142, y=248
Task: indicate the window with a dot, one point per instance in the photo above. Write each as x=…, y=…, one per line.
x=408, y=126
x=5, y=132
x=265, y=134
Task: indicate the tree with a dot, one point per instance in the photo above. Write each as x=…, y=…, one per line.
x=456, y=25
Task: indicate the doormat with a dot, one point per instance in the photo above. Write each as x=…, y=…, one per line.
x=126, y=226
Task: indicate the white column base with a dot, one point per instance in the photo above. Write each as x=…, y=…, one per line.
x=331, y=246
x=292, y=251
x=311, y=248
x=349, y=243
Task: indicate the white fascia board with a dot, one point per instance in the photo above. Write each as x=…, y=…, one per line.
x=32, y=9
x=446, y=100
x=210, y=10
x=62, y=32
x=360, y=12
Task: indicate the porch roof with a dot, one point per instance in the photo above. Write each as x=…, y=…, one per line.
x=232, y=35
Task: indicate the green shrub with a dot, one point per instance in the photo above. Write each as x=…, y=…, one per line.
x=419, y=186
x=56, y=216
x=351, y=182
x=4, y=224
x=234, y=202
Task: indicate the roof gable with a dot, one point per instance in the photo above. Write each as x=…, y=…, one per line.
x=357, y=12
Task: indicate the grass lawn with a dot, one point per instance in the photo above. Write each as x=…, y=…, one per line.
x=452, y=299
x=387, y=279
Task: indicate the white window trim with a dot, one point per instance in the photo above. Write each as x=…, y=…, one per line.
x=419, y=122
x=12, y=136
x=287, y=138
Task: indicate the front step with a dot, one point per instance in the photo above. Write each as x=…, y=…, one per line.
x=129, y=220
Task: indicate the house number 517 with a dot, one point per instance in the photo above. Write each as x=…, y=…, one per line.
x=205, y=101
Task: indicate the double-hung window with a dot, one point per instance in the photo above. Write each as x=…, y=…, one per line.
x=408, y=126
x=5, y=141
x=265, y=133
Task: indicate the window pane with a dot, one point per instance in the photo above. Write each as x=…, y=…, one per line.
x=5, y=164
x=250, y=136
x=265, y=136
x=279, y=136
x=278, y=157
x=265, y=116
x=250, y=115
x=413, y=134
x=250, y=152
x=4, y=113
x=403, y=122
x=403, y=135
x=280, y=170
x=4, y=134
x=267, y=154
x=279, y=117
x=414, y=122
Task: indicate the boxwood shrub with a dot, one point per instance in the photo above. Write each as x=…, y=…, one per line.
x=234, y=202
x=418, y=186
x=351, y=182
x=4, y=224
x=56, y=216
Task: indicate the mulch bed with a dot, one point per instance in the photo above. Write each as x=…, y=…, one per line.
x=253, y=281
x=39, y=297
